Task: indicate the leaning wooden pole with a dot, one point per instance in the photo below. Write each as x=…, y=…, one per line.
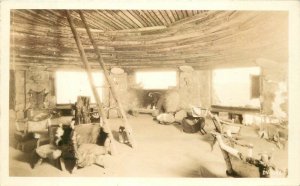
x=225, y=153
x=91, y=81
x=128, y=129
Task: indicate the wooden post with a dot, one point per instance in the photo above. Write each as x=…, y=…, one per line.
x=92, y=84
x=128, y=129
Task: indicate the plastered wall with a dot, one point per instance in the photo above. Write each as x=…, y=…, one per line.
x=194, y=88
x=275, y=91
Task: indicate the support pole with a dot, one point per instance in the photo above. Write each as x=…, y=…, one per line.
x=92, y=84
x=128, y=129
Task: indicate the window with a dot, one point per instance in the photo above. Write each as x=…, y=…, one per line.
x=157, y=80
x=237, y=87
x=70, y=85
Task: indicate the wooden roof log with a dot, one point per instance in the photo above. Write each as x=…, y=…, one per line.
x=125, y=19
x=133, y=19
x=95, y=63
x=142, y=17
x=189, y=13
x=147, y=14
x=180, y=14
x=56, y=56
x=155, y=18
x=169, y=50
x=21, y=17
x=144, y=47
x=107, y=19
x=179, y=42
x=197, y=17
x=184, y=13
x=57, y=47
x=169, y=31
x=112, y=18
x=141, y=55
x=170, y=15
x=136, y=31
x=194, y=12
x=44, y=15
x=94, y=67
x=159, y=15
x=175, y=15
x=201, y=38
x=59, y=43
x=139, y=46
x=101, y=25
x=197, y=64
x=119, y=18
x=99, y=18
x=166, y=17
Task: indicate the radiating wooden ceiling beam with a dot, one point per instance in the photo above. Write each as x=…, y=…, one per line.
x=149, y=17
x=184, y=13
x=175, y=15
x=179, y=14
x=155, y=18
x=171, y=16
x=102, y=20
x=126, y=19
x=119, y=17
x=143, y=17
x=19, y=16
x=54, y=17
x=94, y=21
x=114, y=19
x=133, y=19
x=197, y=17
x=160, y=17
x=194, y=12
x=43, y=15
x=166, y=17
x=107, y=20
x=139, y=18
x=189, y=13
x=59, y=14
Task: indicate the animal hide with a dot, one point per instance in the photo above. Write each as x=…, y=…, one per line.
x=165, y=118
x=274, y=133
x=82, y=112
x=37, y=99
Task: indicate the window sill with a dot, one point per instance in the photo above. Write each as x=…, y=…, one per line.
x=236, y=110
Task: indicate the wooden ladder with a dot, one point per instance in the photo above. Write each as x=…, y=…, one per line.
x=100, y=106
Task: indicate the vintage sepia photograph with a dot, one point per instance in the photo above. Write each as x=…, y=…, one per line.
x=148, y=93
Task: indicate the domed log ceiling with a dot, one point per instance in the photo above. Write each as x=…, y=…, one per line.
x=149, y=38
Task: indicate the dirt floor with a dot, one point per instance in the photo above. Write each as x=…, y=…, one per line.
x=162, y=151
